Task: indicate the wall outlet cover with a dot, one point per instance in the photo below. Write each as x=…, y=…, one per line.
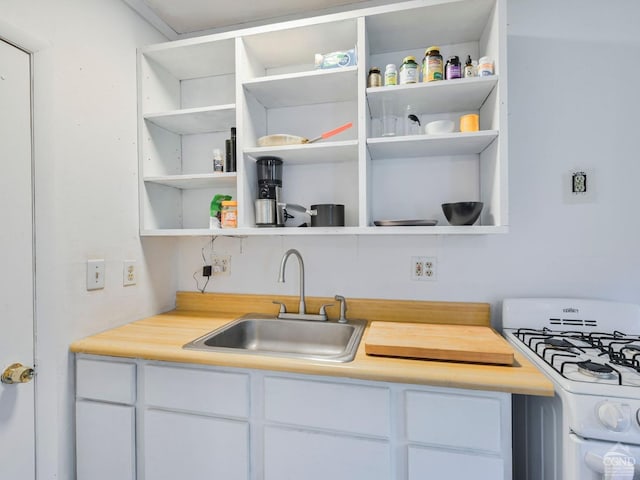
x=424, y=268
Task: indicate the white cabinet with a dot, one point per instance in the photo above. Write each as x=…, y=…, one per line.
x=186, y=106
x=105, y=441
x=198, y=416
x=262, y=80
x=457, y=434
x=312, y=455
x=197, y=447
x=201, y=422
x=105, y=420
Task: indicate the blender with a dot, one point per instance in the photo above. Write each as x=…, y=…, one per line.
x=269, y=211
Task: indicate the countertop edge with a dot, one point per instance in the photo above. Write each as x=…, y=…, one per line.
x=173, y=329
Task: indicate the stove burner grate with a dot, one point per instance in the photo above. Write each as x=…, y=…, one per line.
x=558, y=342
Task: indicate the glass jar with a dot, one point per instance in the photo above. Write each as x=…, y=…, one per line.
x=408, y=70
x=229, y=214
x=375, y=78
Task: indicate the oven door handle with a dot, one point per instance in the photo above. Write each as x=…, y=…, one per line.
x=595, y=462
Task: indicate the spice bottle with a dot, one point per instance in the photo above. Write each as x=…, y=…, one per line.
x=390, y=75
x=408, y=70
x=218, y=166
x=432, y=67
x=453, y=69
x=375, y=78
x=229, y=214
x=468, y=68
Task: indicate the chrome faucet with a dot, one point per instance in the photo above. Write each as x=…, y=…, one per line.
x=302, y=308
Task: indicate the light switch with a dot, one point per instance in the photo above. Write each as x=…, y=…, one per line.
x=95, y=274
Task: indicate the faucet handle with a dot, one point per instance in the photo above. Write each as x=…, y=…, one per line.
x=283, y=307
x=323, y=310
x=343, y=308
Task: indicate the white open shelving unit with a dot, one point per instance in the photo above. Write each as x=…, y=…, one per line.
x=262, y=81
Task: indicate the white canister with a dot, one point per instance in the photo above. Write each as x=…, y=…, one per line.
x=485, y=66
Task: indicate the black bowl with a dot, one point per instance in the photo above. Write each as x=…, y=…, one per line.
x=462, y=213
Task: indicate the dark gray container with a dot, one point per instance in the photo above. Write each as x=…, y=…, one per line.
x=327, y=215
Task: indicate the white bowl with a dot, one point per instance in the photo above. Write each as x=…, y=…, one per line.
x=439, y=127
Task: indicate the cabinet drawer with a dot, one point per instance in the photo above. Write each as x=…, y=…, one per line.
x=106, y=381
x=431, y=463
x=299, y=454
x=455, y=420
x=202, y=391
x=327, y=405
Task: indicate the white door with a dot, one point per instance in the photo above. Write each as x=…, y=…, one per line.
x=17, y=436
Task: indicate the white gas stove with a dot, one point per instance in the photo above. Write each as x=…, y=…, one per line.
x=590, y=349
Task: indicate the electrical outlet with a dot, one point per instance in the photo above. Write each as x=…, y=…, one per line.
x=129, y=273
x=424, y=268
x=579, y=186
x=95, y=274
x=221, y=264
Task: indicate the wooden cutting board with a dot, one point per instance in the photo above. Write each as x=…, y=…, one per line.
x=460, y=343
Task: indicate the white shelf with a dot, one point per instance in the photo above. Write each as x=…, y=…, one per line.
x=459, y=95
x=306, y=88
x=409, y=146
x=195, y=120
x=297, y=46
x=452, y=22
x=262, y=80
x=327, y=231
x=195, y=58
x=328, y=152
x=191, y=182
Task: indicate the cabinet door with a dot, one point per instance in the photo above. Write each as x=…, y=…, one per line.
x=105, y=441
x=299, y=454
x=194, y=447
x=433, y=463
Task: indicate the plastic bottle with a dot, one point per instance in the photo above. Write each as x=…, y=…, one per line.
x=218, y=166
x=229, y=214
x=453, y=68
x=468, y=68
x=432, y=67
x=408, y=70
x=214, y=210
x=485, y=66
x=390, y=75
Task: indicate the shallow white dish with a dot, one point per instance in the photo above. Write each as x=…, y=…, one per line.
x=438, y=127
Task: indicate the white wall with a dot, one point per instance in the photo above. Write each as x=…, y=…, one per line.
x=86, y=188
x=86, y=194
x=573, y=101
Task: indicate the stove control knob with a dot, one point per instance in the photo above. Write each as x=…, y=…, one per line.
x=614, y=416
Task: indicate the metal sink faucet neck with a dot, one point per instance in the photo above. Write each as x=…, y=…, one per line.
x=302, y=309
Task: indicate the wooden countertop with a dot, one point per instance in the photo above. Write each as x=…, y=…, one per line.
x=161, y=338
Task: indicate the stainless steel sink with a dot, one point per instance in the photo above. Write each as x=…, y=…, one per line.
x=265, y=335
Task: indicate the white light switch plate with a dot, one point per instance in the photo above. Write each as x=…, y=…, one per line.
x=95, y=274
